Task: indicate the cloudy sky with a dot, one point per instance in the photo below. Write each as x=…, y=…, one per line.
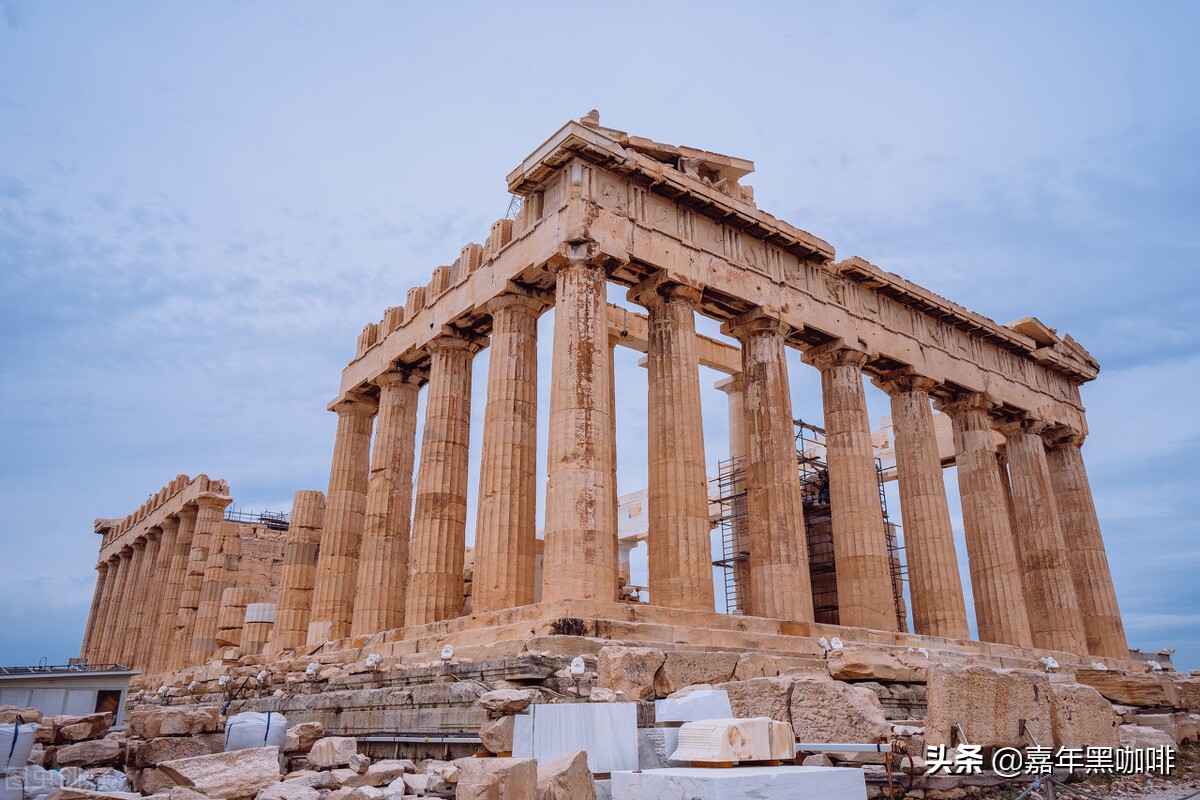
x=202, y=203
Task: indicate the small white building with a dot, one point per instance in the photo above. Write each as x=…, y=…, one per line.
x=71, y=689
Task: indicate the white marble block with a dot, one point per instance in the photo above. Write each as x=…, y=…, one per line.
x=728, y=740
x=700, y=704
x=607, y=732
x=741, y=783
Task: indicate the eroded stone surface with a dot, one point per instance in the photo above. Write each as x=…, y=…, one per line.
x=233, y=775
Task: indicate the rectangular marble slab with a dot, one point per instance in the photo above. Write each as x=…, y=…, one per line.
x=700, y=704
x=741, y=783
x=606, y=731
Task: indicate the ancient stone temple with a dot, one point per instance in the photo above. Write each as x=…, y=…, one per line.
x=379, y=562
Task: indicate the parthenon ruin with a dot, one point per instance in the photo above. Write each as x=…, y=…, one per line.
x=380, y=560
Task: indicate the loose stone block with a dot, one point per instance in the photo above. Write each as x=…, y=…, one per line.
x=566, y=778
x=1081, y=717
x=96, y=753
x=497, y=735
x=1139, y=737
x=762, y=783
x=1144, y=689
x=830, y=711
x=631, y=670
x=697, y=705
x=151, y=723
x=989, y=704
x=680, y=670
x=730, y=740
x=333, y=751
x=761, y=697
x=234, y=775
x=496, y=779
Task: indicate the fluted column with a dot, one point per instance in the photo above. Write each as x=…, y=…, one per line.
x=864, y=579
x=219, y=574
x=383, y=565
x=580, y=560
x=506, y=516
x=1089, y=564
x=210, y=510
x=734, y=387
x=996, y=585
x=173, y=589
x=678, y=542
x=102, y=647
x=299, y=571
x=935, y=587
x=123, y=622
x=345, y=508
x=89, y=633
x=1054, y=615
x=439, y=531
x=159, y=601
x=145, y=600
x=780, y=585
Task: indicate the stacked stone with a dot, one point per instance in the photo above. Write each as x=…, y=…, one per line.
x=299, y=571
x=337, y=563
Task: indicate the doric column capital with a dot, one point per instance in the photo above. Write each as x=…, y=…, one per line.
x=965, y=402
x=188, y=513
x=755, y=322
x=212, y=500
x=114, y=558
x=734, y=384
x=666, y=287
x=1021, y=425
x=1057, y=436
x=138, y=543
x=102, y=567
x=838, y=353
x=170, y=524
x=126, y=552
x=153, y=534
x=456, y=339
x=398, y=376
x=354, y=404
x=902, y=381
x=520, y=297
x=579, y=254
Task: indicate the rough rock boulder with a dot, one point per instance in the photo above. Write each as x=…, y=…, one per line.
x=229, y=776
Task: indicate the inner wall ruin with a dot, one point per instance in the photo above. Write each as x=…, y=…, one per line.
x=183, y=592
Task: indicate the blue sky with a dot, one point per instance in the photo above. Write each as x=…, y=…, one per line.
x=202, y=203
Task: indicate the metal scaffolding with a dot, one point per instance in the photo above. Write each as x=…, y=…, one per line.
x=730, y=491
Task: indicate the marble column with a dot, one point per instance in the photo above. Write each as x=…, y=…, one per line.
x=996, y=585
x=1054, y=615
x=780, y=585
x=439, y=530
x=145, y=601
x=299, y=571
x=86, y=651
x=864, y=579
x=219, y=574
x=934, y=585
x=345, y=507
x=210, y=511
x=125, y=606
x=679, y=546
x=383, y=565
x=580, y=560
x=506, y=516
x=733, y=387
x=159, y=599
x=102, y=649
x=1081, y=527
x=173, y=587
